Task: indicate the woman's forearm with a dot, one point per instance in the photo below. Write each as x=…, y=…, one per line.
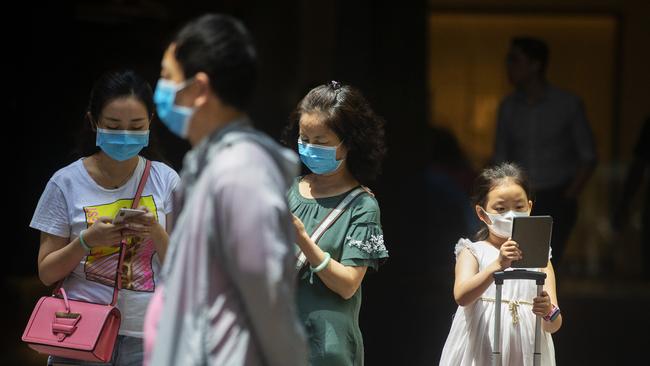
x=160, y=239
x=59, y=263
x=341, y=279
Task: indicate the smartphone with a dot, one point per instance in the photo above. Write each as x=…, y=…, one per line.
x=125, y=213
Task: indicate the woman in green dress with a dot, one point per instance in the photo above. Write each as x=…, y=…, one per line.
x=341, y=141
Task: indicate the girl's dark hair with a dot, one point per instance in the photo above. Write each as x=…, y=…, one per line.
x=348, y=114
x=110, y=86
x=489, y=179
x=220, y=46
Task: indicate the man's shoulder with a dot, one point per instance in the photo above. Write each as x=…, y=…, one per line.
x=241, y=154
x=563, y=95
x=245, y=158
x=506, y=107
x=509, y=98
x=509, y=101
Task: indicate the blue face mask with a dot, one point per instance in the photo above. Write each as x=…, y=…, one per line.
x=319, y=159
x=121, y=145
x=175, y=117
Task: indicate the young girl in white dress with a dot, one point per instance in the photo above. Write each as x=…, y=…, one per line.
x=500, y=193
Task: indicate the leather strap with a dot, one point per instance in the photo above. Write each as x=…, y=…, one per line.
x=328, y=221
x=117, y=284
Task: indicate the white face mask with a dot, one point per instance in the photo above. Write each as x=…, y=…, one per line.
x=502, y=223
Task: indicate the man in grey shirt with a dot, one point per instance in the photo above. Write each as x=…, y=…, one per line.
x=545, y=131
x=228, y=293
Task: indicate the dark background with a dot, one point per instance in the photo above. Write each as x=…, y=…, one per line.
x=59, y=49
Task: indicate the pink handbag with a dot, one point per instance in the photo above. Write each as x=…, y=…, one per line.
x=76, y=329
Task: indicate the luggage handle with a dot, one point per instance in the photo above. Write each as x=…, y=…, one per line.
x=516, y=274
x=519, y=274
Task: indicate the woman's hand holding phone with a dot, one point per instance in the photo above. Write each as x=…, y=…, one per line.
x=141, y=226
x=103, y=233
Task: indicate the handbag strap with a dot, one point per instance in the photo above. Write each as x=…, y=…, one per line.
x=328, y=221
x=117, y=284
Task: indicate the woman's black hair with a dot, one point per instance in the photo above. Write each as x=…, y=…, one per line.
x=110, y=86
x=489, y=179
x=347, y=113
x=220, y=46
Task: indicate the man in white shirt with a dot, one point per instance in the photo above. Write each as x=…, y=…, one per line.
x=544, y=129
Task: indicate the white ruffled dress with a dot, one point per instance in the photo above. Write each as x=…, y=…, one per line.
x=470, y=339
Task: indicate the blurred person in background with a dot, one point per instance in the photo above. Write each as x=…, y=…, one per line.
x=544, y=129
x=637, y=173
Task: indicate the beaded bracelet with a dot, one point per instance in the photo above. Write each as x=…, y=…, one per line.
x=319, y=268
x=553, y=314
x=83, y=242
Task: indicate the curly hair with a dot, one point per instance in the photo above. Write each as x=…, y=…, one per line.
x=349, y=115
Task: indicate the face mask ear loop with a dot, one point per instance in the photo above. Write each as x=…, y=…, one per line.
x=488, y=216
x=184, y=84
x=343, y=158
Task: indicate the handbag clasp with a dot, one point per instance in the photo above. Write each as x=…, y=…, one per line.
x=64, y=324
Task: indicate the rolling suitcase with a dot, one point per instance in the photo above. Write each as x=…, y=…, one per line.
x=517, y=274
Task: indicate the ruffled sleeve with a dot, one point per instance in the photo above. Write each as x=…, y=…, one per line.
x=465, y=243
x=364, y=241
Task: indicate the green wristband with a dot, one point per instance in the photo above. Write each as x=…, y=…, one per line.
x=319, y=268
x=83, y=242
